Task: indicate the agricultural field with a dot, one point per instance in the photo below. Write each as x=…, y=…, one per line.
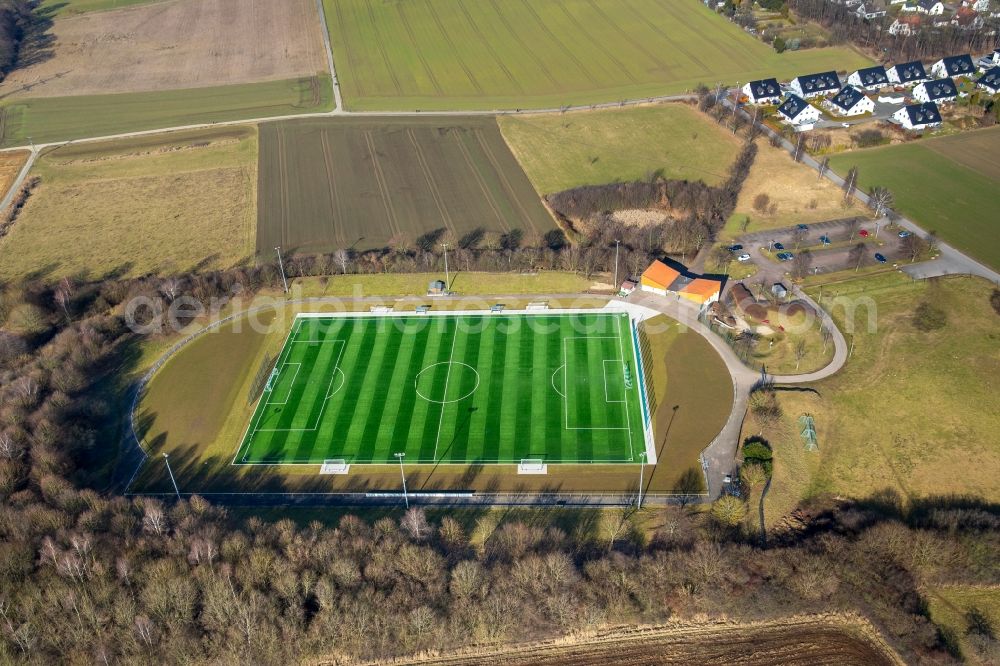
x=202, y=424
x=559, y=152
x=366, y=183
x=477, y=54
x=912, y=413
x=796, y=193
x=946, y=184
x=175, y=45
x=49, y=119
x=72, y=7
x=163, y=203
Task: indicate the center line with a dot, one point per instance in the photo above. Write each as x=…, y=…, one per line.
x=447, y=378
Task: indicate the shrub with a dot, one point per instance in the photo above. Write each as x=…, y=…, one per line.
x=929, y=318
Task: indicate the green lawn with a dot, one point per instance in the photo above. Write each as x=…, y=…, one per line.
x=451, y=389
x=506, y=54
x=559, y=152
x=66, y=118
x=936, y=192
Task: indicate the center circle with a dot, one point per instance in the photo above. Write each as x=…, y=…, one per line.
x=435, y=382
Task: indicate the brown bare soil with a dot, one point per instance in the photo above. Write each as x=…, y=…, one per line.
x=177, y=44
x=813, y=641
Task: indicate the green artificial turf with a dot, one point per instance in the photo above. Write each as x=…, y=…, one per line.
x=452, y=389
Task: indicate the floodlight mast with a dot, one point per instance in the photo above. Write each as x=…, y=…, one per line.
x=642, y=468
x=617, y=244
x=281, y=266
x=166, y=459
x=406, y=498
x=447, y=275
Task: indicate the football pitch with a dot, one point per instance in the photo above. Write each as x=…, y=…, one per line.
x=469, y=388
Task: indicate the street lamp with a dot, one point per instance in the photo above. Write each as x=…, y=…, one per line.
x=281, y=266
x=166, y=459
x=400, y=456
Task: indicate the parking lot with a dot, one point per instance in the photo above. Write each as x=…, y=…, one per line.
x=829, y=243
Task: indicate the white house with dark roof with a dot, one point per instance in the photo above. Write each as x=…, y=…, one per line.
x=814, y=85
x=961, y=65
x=990, y=81
x=799, y=113
x=850, y=102
x=939, y=91
x=918, y=116
x=765, y=91
x=870, y=78
x=931, y=7
x=907, y=73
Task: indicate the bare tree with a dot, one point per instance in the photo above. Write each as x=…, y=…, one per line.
x=857, y=255
x=342, y=257
x=800, y=349
x=880, y=200
x=850, y=184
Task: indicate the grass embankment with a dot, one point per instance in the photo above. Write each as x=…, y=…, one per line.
x=53, y=119
x=912, y=413
x=947, y=185
x=560, y=152
x=163, y=203
x=507, y=55
x=202, y=430
x=795, y=191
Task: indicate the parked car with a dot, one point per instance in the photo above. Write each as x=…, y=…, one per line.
x=863, y=233
x=825, y=240
x=804, y=227
x=743, y=257
x=880, y=258
x=779, y=246
x=735, y=248
x=785, y=256
x=904, y=233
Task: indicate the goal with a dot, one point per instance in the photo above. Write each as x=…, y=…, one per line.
x=532, y=466
x=335, y=466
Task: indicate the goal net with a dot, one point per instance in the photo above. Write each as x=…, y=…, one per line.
x=335, y=466
x=532, y=466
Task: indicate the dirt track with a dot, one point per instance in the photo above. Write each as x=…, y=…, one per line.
x=177, y=44
x=802, y=641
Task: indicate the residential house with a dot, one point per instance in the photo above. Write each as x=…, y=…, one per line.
x=990, y=81
x=907, y=73
x=799, y=113
x=870, y=78
x=870, y=10
x=918, y=116
x=961, y=65
x=929, y=7
x=939, y=91
x=850, y=102
x=906, y=24
x=815, y=85
x=766, y=91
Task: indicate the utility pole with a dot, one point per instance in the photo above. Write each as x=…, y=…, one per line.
x=406, y=498
x=281, y=265
x=617, y=244
x=447, y=275
x=642, y=468
x=166, y=459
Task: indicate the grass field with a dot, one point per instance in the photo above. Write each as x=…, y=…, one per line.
x=452, y=389
x=353, y=183
x=947, y=185
x=162, y=203
x=795, y=190
x=70, y=7
x=911, y=413
x=65, y=118
x=949, y=607
x=489, y=54
x=559, y=152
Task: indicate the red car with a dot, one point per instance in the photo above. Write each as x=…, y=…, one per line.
x=863, y=233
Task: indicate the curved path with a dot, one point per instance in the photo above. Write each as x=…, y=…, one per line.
x=718, y=457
